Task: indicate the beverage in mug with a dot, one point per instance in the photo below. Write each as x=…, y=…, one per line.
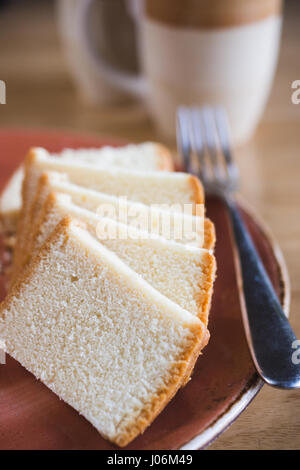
x=196, y=52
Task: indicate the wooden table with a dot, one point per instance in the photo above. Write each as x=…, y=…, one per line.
x=40, y=94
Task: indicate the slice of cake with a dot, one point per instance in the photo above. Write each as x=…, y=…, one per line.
x=98, y=335
x=180, y=227
x=183, y=274
x=185, y=229
x=148, y=156
x=151, y=187
x=173, y=189
x=10, y=202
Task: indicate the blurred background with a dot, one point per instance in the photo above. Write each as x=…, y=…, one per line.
x=43, y=87
x=46, y=87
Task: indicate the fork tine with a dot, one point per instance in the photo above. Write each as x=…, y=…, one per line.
x=203, y=133
x=212, y=141
x=222, y=125
x=223, y=131
x=198, y=141
x=209, y=128
x=183, y=136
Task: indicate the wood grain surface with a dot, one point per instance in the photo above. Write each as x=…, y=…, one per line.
x=40, y=93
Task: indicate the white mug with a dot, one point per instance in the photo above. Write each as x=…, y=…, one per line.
x=196, y=52
x=98, y=80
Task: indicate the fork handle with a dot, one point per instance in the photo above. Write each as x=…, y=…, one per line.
x=272, y=342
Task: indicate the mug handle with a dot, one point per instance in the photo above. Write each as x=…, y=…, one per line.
x=134, y=85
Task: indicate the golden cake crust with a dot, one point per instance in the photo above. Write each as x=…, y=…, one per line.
x=180, y=371
x=166, y=161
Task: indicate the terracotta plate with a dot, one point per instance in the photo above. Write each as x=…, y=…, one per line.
x=224, y=380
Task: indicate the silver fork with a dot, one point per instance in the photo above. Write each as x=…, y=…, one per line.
x=204, y=133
